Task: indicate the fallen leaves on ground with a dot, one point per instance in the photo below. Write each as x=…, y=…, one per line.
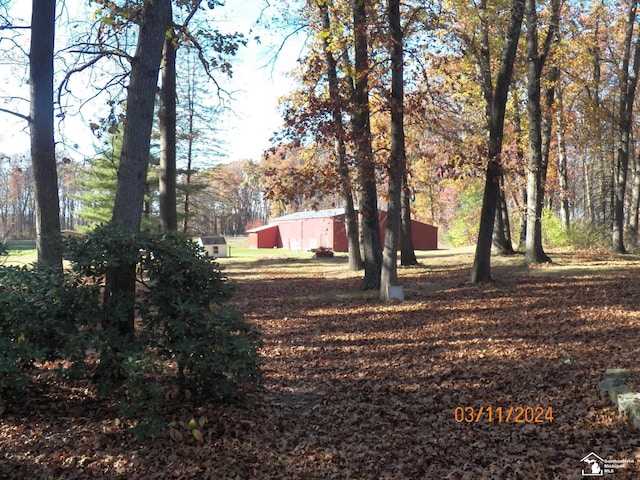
x=359, y=389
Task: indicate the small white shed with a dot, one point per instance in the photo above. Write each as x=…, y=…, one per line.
x=214, y=247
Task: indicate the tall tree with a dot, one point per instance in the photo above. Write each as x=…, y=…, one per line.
x=168, y=120
x=407, y=252
x=355, y=260
x=167, y=124
x=497, y=101
x=597, y=171
x=361, y=128
x=563, y=173
x=534, y=252
x=41, y=129
x=154, y=21
x=538, y=153
x=480, y=45
x=397, y=157
x=197, y=136
x=189, y=136
x=628, y=83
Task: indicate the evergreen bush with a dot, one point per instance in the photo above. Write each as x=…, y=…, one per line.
x=186, y=333
x=43, y=316
x=183, y=320
x=185, y=316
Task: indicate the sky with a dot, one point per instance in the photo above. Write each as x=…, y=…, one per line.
x=257, y=83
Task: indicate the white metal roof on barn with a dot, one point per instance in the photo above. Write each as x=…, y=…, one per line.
x=333, y=212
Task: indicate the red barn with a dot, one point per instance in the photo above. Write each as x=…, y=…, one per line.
x=267, y=236
x=325, y=228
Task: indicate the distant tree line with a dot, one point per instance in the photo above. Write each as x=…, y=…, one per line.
x=224, y=200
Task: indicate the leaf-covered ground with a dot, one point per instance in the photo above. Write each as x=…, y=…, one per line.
x=358, y=389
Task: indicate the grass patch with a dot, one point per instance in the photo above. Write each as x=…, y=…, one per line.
x=21, y=245
x=21, y=252
x=240, y=254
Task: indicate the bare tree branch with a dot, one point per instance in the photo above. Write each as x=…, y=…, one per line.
x=115, y=80
x=15, y=45
x=274, y=57
x=26, y=118
x=102, y=52
x=207, y=67
x=65, y=81
x=193, y=11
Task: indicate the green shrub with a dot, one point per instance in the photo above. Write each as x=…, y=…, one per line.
x=463, y=230
x=552, y=232
x=16, y=354
x=183, y=320
x=580, y=234
x=589, y=235
x=141, y=395
x=187, y=335
x=43, y=316
x=185, y=315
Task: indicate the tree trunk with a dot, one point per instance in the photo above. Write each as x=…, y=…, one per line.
x=635, y=200
x=350, y=215
x=361, y=129
x=506, y=224
x=521, y=197
x=407, y=252
x=563, y=174
x=351, y=224
x=397, y=158
x=191, y=134
x=134, y=158
x=628, y=85
x=534, y=252
x=588, y=191
x=551, y=81
x=43, y=155
x=187, y=186
x=599, y=174
x=167, y=122
x=482, y=261
x=502, y=227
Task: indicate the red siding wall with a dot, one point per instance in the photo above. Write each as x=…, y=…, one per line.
x=314, y=232
x=340, y=242
x=306, y=233
x=265, y=237
x=425, y=237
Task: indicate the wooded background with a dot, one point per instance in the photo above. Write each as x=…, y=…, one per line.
x=534, y=98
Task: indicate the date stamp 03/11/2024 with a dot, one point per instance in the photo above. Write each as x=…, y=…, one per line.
x=592, y=464
x=511, y=414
